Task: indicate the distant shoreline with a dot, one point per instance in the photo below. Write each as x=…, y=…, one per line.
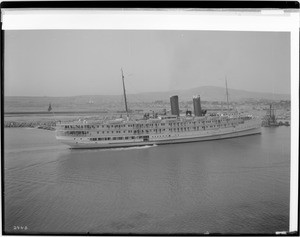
x=45, y=120
x=52, y=114
x=48, y=125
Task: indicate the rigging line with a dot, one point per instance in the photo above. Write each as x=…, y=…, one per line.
x=227, y=93
x=124, y=94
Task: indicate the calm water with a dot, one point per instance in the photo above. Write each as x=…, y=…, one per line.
x=238, y=185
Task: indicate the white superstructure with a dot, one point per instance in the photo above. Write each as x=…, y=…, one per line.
x=162, y=130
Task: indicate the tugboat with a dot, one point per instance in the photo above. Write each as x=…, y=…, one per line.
x=270, y=119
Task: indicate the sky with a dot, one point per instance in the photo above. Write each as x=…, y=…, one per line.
x=89, y=62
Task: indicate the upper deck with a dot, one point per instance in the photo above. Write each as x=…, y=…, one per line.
x=159, y=124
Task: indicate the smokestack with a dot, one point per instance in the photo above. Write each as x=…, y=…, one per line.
x=174, y=105
x=197, y=105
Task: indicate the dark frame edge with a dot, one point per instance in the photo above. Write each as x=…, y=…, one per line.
x=120, y=4
x=152, y=4
x=2, y=125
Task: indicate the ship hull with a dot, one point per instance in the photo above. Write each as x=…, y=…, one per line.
x=206, y=137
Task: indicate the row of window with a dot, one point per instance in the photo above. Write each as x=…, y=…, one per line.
x=134, y=137
x=84, y=133
x=78, y=126
x=140, y=125
x=76, y=133
x=112, y=126
x=116, y=138
x=163, y=130
x=134, y=131
x=139, y=137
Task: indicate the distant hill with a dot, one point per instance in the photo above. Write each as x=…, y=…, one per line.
x=212, y=93
x=98, y=102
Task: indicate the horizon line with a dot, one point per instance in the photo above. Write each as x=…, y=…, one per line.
x=120, y=94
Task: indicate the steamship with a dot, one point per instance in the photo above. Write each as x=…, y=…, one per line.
x=156, y=130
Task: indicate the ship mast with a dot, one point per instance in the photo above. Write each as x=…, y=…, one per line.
x=227, y=93
x=124, y=94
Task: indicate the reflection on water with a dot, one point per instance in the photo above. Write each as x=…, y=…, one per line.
x=238, y=185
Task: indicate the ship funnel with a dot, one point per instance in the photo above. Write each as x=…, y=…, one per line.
x=197, y=105
x=174, y=105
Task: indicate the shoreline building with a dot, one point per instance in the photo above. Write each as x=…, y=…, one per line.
x=174, y=105
x=197, y=105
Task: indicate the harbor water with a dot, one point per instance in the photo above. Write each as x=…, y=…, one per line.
x=238, y=185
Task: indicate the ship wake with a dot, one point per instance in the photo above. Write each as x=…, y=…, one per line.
x=117, y=148
x=130, y=148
